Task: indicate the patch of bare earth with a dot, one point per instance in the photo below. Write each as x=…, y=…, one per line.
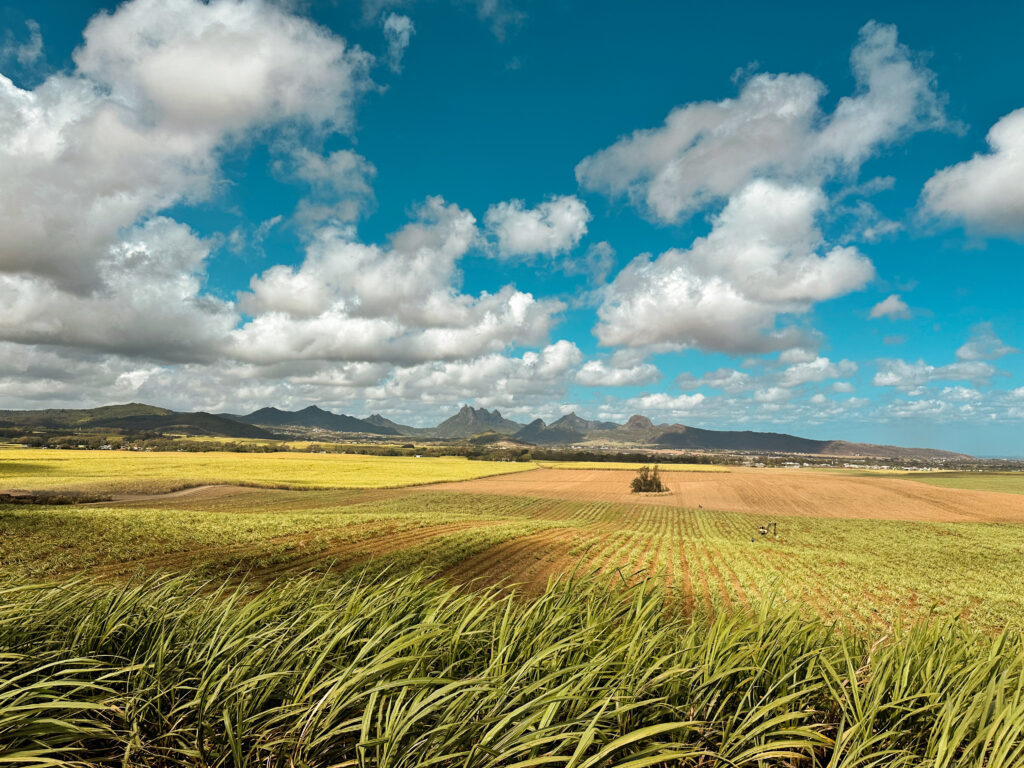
x=775, y=492
x=525, y=563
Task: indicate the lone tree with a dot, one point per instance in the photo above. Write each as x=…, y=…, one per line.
x=648, y=480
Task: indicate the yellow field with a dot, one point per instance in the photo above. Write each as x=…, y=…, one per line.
x=630, y=465
x=295, y=445
x=122, y=472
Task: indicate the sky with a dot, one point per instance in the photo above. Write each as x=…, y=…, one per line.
x=789, y=217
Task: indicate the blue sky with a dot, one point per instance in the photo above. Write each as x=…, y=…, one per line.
x=792, y=218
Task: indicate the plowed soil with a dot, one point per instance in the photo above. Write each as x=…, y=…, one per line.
x=526, y=562
x=768, y=492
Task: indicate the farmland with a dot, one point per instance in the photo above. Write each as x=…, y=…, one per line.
x=123, y=472
x=774, y=493
x=540, y=617
x=867, y=551
x=1004, y=482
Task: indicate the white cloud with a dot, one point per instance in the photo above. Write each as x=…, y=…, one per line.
x=892, y=307
x=398, y=31
x=912, y=377
x=27, y=53
x=490, y=380
x=709, y=150
x=150, y=302
x=815, y=371
x=983, y=345
x=599, y=373
x=726, y=292
x=985, y=192
x=797, y=355
x=351, y=301
x=772, y=395
x=223, y=66
x=555, y=226
x=842, y=386
x=596, y=263
x=340, y=185
x=160, y=86
x=727, y=379
x=662, y=403
x=500, y=15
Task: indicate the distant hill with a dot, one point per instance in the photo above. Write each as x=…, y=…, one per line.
x=472, y=421
x=641, y=431
x=567, y=430
x=77, y=417
x=488, y=426
x=133, y=417
x=678, y=436
x=400, y=429
x=313, y=416
x=842, y=448
x=198, y=423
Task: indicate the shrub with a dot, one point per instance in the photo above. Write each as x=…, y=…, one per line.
x=648, y=480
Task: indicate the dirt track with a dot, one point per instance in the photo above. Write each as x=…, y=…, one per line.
x=774, y=492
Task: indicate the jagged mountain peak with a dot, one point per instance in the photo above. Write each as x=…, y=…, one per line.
x=636, y=421
x=471, y=421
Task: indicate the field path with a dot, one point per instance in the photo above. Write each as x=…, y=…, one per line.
x=206, y=491
x=768, y=492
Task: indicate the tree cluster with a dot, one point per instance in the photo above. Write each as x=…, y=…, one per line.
x=648, y=480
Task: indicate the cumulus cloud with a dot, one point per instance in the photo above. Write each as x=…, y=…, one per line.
x=601, y=373
x=726, y=379
x=985, y=192
x=340, y=185
x=223, y=66
x=149, y=304
x=159, y=87
x=555, y=226
x=491, y=380
x=726, y=292
x=398, y=31
x=912, y=377
x=773, y=395
x=665, y=404
x=892, y=307
x=352, y=301
x=709, y=150
x=816, y=371
x=797, y=355
x=983, y=345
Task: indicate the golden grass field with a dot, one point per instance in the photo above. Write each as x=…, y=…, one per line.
x=867, y=550
x=126, y=472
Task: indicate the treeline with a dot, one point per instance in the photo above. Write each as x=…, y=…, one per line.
x=142, y=443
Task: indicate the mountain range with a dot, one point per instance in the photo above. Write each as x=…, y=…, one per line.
x=638, y=431
x=133, y=417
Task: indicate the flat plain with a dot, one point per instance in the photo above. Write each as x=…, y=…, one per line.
x=774, y=493
x=868, y=551
x=123, y=472
x=544, y=617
